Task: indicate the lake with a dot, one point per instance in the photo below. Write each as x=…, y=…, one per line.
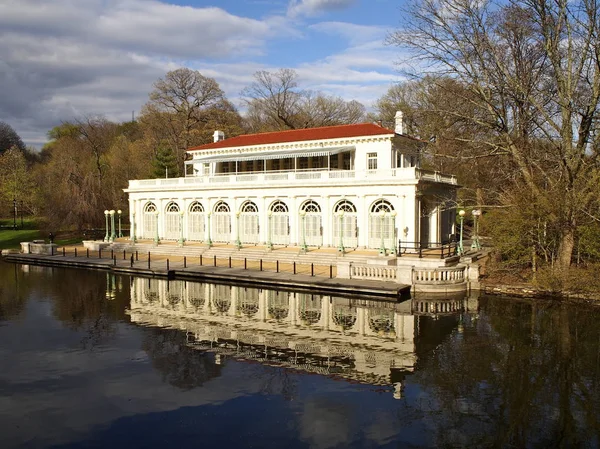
x=93, y=360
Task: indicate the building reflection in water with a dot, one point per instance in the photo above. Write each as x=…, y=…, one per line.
x=366, y=341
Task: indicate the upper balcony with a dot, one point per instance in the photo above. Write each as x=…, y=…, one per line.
x=277, y=179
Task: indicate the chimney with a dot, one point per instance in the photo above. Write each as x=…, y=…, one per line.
x=399, y=128
x=218, y=136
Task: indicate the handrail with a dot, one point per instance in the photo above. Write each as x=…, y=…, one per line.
x=439, y=249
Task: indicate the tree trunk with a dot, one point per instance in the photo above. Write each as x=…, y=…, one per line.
x=565, y=247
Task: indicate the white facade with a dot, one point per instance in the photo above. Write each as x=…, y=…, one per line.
x=352, y=191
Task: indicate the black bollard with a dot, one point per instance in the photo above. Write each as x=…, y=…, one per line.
x=167, y=264
x=294, y=267
x=75, y=252
x=277, y=266
x=131, y=261
x=260, y=264
x=112, y=253
x=245, y=263
x=312, y=269
x=214, y=261
x=330, y=271
x=148, y=259
x=200, y=259
x=229, y=261
x=184, y=262
x=87, y=253
x=124, y=255
x=136, y=256
x=64, y=251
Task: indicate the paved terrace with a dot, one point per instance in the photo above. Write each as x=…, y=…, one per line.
x=281, y=268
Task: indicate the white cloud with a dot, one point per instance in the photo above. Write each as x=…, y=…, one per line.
x=67, y=58
x=316, y=7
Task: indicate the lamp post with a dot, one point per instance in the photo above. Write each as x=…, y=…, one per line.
x=461, y=249
x=238, y=243
x=107, y=235
x=341, y=248
x=475, y=243
x=269, y=242
x=120, y=232
x=394, y=243
x=132, y=232
x=209, y=241
x=113, y=234
x=181, y=240
x=156, y=239
x=382, y=246
x=303, y=224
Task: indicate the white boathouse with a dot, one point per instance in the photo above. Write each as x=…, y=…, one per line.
x=346, y=187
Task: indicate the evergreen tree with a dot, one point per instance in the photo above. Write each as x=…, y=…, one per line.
x=165, y=162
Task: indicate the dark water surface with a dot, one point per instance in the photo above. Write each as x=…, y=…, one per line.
x=90, y=360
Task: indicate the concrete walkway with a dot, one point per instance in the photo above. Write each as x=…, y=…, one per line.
x=315, y=277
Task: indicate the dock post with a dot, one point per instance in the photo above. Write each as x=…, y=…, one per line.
x=112, y=253
x=184, y=262
x=245, y=263
x=294, y=267
x=277, y=266
x=124, y=255
x=260, y=264
x=200, y=259
x=148, y=259
x=229, y=261
x=167, y=264
x=75, y=252
x=214, y=261
x=64, y=251
x=87, y=253
x=312, y=269
x=136, y=256
x=330, y=271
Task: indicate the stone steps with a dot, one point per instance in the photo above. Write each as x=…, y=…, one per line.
x=287, y=255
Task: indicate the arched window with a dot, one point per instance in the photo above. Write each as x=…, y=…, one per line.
x=382, y=232
x=279, y=220
x=311, y=223
x=150, y=221
x=172, y=220
x=248, y=224
x=196, y=218
x=222, y=222
x=345, y=223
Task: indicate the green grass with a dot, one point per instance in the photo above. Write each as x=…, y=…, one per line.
x=10, y=238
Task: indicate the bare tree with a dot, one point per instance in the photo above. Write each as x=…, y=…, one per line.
x=532, y=72
x=275, y=103
x=177, y=104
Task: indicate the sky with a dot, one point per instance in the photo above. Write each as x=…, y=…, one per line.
x=63, y=59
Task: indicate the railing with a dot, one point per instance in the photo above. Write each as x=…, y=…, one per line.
x=454, y=275
x=439, y=250
x=299, y=177
x=373, y=272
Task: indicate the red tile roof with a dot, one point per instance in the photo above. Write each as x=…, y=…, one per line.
x=298, y=135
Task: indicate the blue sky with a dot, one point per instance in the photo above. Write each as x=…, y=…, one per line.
x=67, y=58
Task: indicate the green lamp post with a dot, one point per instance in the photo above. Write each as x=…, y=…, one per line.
x=113, y=234
x=381, y=220
x=341, y=248
x=107, y=236
x=303, y=224
x=238, y=243
x=394, y=243
x=461, y=215
x=208, y=241
x=132, y=236
x=120, y=231
x=269, y=242
x=475, y=243
x=156, y=238
x=181, y=239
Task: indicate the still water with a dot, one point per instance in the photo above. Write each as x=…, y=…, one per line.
x=90, y=360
